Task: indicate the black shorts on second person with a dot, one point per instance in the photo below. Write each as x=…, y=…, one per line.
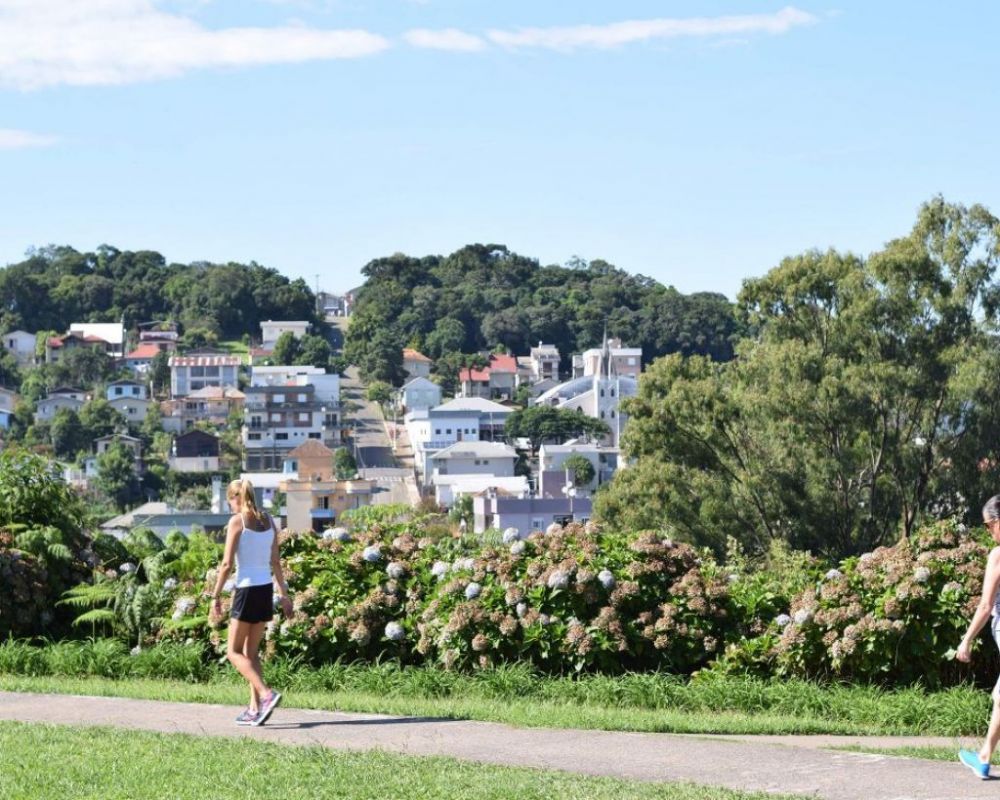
x=253, y=603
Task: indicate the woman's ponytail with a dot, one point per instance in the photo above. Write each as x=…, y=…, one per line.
x=243, y=489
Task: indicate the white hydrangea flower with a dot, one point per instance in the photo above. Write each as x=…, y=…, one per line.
x=962, y=527
x=606, y=579
x=521, y=609
x=921, y=574
x=170, y=584
x=952, y=586
x=558, y=580
x=864, y=558
x=337, y=535
x=543, y=619
x=517, y=548
x=511, y=535
x=285, y=627
x=372, y=553
x=732, y=577
x=394, y=632
x=184, y=605
x=555, y=527
x=802, y=616
x=136, y=650
x=395, y=570
x=833, y=574
x=127, y=567
x=782, y=620
x=464, y=564
x=439, y=569
x=472, y=591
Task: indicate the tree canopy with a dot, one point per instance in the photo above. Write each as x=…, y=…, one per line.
x=57, y=285
x=485, y=295
x=868, y=400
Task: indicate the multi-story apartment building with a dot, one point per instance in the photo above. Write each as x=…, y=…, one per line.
x=278, y=419
x=192, y=372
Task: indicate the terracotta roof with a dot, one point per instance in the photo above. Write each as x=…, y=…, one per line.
x=145, y=350
x=409, y=354
x=503, y=363
x=217, y=393
x=311, y=448
x=474, y=374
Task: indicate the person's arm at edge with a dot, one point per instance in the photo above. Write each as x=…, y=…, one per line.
x=278, y=573
x=233, y=532
x=991, y=580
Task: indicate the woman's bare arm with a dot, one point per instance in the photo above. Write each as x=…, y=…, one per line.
x=991, y=581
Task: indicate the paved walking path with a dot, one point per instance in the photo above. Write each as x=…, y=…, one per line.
x=785, y=764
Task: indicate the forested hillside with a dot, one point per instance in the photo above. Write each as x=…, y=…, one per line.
x=54, y=286
x=485, y=295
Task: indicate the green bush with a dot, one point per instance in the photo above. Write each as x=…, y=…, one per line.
x=890, y=616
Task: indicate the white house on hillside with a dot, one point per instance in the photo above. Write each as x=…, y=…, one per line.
x=419, y=394
x=21, y=345
x=271, y=330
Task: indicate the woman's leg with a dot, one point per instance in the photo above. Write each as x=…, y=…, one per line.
x=993, y=734
x=238, y=634
x=251, y=649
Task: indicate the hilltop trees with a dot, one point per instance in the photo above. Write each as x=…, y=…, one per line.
x=485, y=295
x=55, y=285
x=868, y=400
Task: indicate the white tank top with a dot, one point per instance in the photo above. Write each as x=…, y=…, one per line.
x=253, y=556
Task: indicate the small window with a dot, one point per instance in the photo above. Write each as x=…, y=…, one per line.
x=302, y=398
x=612, y=392
x=631, y=361
x=304, y=416
x=278, y=398
x=275, y=417
x=448, y=432
x=437, y=431
x=602, y=415
x=612, y=413
x=281, y=437
x=537, y=523
x=253, y=437
x=118, y=391
x=314, y=435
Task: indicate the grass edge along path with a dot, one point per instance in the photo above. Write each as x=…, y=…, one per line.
x=127, y=764
x=530, y=712
x=928, y=753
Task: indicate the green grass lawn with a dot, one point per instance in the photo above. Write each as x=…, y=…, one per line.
x=65, y=763
x=527, y=713
x=513, y=694
x=927, y=753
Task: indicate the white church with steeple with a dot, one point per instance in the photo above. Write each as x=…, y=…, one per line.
x=608, y=377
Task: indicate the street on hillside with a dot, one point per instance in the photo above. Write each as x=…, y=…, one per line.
x=371, y=446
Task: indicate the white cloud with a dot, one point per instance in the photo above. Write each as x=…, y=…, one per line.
x=620, y=33
x=11, y=139
x=446, y=39
x=101, y=42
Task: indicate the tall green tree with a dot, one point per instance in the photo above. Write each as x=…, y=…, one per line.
x=866, y=403
x=116, y=476
x=286, y=349
x=68, y=434
x=542, y=424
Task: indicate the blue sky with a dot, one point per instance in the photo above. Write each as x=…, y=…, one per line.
x=695, y=142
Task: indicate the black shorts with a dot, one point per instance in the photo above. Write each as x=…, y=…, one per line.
x=253, y=603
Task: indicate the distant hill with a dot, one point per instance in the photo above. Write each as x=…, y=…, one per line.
x=54, y=286
x=485, y=295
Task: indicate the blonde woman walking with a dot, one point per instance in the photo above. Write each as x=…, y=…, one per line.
x=252, y=542
x=987, y=610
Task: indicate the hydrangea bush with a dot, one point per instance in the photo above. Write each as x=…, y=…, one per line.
x=572, y=598
x=894, y=615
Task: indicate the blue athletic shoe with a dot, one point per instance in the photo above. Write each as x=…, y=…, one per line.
x=971, y=760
